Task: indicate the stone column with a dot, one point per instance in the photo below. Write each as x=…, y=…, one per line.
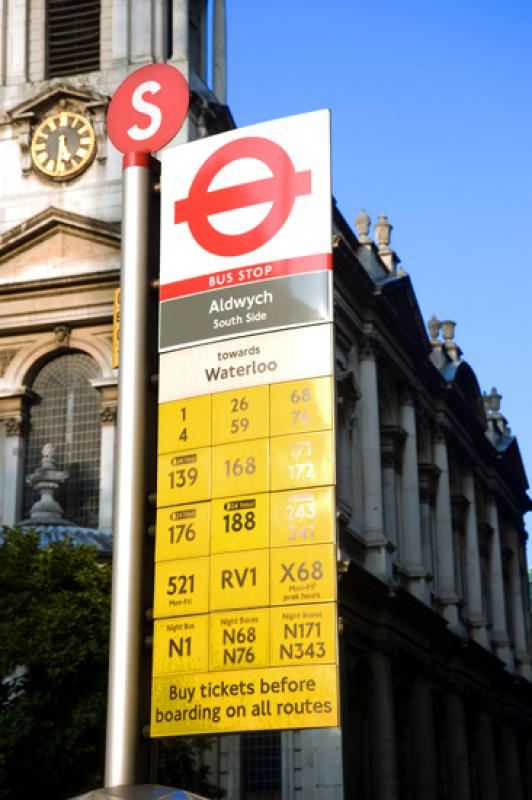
x=356, y=489
x=424, y=740
x=428, y=482
x=411, y=543
x=457, y=748
x=486, y=760
x=475, y=613
x=141, y=39
x=383, y=732
x=499, y=633
x=520, y=617
x=180, y=31
x=13, y=478
x=445, y=570
x=392, y=439
x=118, y=27
x=16, y=43
x=108, y=435
x=13, y=416
x=513, y=784
x=377, y=556
x=108, y=389
x=219, y=51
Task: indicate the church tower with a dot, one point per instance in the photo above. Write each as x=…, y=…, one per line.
x=61, y=61
x=60, y=220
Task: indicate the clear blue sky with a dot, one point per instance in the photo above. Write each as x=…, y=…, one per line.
x=431, y=125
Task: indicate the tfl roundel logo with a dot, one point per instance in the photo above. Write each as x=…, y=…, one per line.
x=247, y=196
x=281, y=190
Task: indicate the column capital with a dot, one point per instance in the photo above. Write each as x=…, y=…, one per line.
x=441, y=430
x=369, y=346
x=428, y=482
x=392, y=443
x=459, y=506
x=408, y=394
x=15, y=426
x=108, y=415
x=491, y=495
x=14, y=411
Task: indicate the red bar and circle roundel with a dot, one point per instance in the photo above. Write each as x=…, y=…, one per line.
x=148, y=109
x=281, y=189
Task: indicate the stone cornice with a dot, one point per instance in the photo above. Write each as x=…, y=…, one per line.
x=45, y=223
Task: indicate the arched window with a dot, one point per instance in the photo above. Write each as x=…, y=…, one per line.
x=66, y=415
x=72, y=36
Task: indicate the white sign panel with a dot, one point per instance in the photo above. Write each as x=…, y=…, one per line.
x=248, y=361
x=245, y=205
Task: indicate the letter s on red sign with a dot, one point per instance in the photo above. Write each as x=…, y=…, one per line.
x=144, y=107
x=148, y=109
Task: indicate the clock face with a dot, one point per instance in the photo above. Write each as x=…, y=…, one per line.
x=63, y=145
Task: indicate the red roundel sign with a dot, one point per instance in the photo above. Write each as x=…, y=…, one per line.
x=282, y=188
x=148, y=109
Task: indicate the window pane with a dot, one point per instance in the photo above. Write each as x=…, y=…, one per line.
x=68, y=418
x=261, y=766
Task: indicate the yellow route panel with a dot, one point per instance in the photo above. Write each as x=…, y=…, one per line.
x=182, y=532
x=241, y=414
x=301, y=460
x=240, y=468
x=302, y=574
x=181, y=587
x=301, y=406
x=180, y=645
x=184, y=424
x=303, y=634
x=275, y=698
x=239, y=639
x=239, y=580
x=240, y=523
x=184, y=477
x=305, y=516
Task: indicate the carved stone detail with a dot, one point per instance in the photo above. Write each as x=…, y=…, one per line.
x=459, y=506
x=428, y=482
x=6, y=357
x=392, y=443
x=108, y=415
x=441, y=431
x=15, y=426
x=368, y=347
x=383, y=231
x=62, y=335
x=362, y=224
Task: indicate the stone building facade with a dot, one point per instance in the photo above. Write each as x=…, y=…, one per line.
x=435, y=632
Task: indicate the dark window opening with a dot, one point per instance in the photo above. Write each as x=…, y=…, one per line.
x=261, y=766
x=168, y=29
x=73, y=36
x=197, y=37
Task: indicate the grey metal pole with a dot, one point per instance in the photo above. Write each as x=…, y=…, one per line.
x=127, y=752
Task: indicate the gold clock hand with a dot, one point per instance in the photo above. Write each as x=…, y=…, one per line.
x=63, y=153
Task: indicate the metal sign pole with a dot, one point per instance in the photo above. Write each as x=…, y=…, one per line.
x=127, y=752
